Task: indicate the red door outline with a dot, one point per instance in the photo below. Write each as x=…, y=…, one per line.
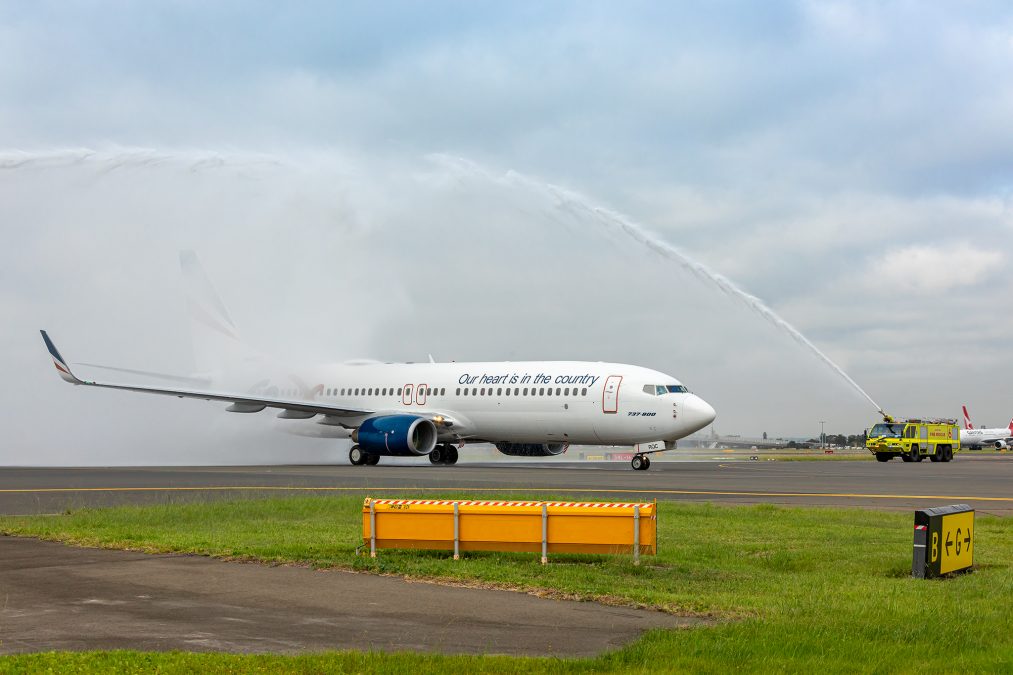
x=420, y=394
x=610, y=394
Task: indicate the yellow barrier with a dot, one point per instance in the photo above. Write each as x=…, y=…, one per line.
x=549, y=527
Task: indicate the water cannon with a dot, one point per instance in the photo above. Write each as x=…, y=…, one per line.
x=886, y=418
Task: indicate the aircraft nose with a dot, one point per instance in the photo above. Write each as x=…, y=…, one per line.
x=696, y=413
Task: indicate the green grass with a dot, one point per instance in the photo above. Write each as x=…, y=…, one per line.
x=789, y=588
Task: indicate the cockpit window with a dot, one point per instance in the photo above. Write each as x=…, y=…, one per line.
x=661, y=389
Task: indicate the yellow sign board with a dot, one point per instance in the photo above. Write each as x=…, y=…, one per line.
x=953, y=544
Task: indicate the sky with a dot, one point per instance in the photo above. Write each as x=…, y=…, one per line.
x=494, y=181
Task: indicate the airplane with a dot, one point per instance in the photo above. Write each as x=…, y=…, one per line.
x=999, y=437
x=525, y=409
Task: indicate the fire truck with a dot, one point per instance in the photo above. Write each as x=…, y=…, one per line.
x=914, y=439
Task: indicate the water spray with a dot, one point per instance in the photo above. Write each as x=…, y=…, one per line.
x=573, y=201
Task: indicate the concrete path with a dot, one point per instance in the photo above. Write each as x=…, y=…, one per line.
x=57, y=597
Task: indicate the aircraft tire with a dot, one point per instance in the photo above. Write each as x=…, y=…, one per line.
x=638, y=463
x=436, y=456
x=647, y=463
x=451, y=455
x=372, y=460
x=356, y=456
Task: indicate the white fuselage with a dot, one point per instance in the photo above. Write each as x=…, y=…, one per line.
x=976, y=437
x=589, y=403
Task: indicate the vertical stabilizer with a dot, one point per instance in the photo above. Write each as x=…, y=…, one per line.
x=217, y=346
x=967, y=419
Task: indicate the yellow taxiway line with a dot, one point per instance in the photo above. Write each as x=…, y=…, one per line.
x=715, y=493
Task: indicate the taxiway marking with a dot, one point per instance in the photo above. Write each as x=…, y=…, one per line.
x=716, y=493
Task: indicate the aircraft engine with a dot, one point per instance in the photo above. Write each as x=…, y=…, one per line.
x=999, y=445
x=398, y=435
x=530, y=449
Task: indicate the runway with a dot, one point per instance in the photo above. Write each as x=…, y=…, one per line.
x=982, y=481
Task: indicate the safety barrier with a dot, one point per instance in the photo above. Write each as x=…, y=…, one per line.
x=548, y=527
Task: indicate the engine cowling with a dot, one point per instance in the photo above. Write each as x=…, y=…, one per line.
x=396, y=435
x=531, y=449
x=999, y=445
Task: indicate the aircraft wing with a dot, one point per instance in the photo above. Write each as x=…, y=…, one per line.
x=242, y=402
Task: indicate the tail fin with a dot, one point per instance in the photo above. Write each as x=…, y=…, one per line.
x=216, y=341
x=967, y=419
x=1011, y=427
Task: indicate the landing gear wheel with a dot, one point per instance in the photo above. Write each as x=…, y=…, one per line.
x=451, y=455
x=356, y=456
x=883, y=457
x=436, y=456
x=638, y=463
x=647, y=463
x=372, y=460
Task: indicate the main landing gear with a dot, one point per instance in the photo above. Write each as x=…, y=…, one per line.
x=359, y=458
x=640, y=462
x=443, y=454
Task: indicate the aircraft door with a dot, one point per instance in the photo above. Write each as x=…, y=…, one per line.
x=610, y=395
x=407, y=397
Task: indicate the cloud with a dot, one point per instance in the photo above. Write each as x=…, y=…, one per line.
x=788, y=147
x=932, y=269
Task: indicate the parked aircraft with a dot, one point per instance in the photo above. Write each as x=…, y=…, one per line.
x=999, y=437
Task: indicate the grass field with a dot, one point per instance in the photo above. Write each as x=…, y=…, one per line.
x=790, y=589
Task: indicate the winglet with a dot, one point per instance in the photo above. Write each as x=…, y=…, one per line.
x=61, y=365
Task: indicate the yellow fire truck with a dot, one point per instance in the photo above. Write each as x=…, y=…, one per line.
x=914, y=439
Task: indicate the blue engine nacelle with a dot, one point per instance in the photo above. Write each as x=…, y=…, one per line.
x=397, y=435
x=530, y=449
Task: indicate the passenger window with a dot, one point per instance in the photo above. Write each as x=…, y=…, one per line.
x=583, y=392
x=549, y=391
x=474, y=391
x=516, y=390
x=557, y=391
x=499, y=391
x=508, y=391
x=399, y=391
x=443, y=391
x=525, y=391
x=566, y=392
x=465, y=391
x=541, y=391
x=458, y=393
